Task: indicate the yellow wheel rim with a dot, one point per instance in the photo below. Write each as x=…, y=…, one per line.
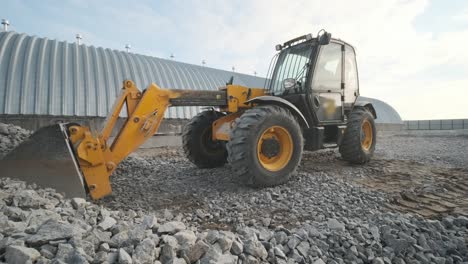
x=366, y=135
x=275, y=148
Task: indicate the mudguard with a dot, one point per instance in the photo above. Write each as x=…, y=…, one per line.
x=281, y=102
x=367, y=105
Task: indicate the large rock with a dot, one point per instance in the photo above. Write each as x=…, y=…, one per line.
x=121, y=239
x=303, y=248
x=319, y=261
x=145, y=252
x=40, y=216
x=170, y=240
x=87, y=246
x=150, y=221
x=198, y=250
x=4, y=129
x=16, y=213
x=8, y=227
x=53, y=230
x=171, y=227
x=107, y=223
x=237, y=248
x=112, y=257
x=100, y=257
x=212, y=236
x=64, y=252
x=138, y=233
x=68, y=254
x=124, y=257
x=21, y=255
x=256, y=249
x=293, y=242
x=335, y=225
x=279, y=253
x=280, y=237
x=213, y=255
x=97, y=237
x=48, y=251
x=168, y=254
x=28, y=199
x=398, y=245
x=78, y=202
x=186, y=238
x=227, y=259
x=225, y=241
x=9, y=241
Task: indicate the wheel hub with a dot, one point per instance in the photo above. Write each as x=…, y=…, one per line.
x=270, y=147
x=275, y=148
x=367, y=136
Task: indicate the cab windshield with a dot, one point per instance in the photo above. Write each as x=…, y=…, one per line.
x=292, y=63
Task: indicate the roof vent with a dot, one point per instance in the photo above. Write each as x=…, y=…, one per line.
x=5, y=24
x=78, y=39
x=128, y=47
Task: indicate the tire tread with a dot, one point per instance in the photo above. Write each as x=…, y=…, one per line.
x=238, y=146
x=350, y=149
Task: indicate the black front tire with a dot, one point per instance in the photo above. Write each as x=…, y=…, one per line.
x=243, y=154
x=197, y=141
x=352, y=148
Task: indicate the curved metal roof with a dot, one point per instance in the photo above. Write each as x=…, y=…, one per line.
x=385, y=113
x=39, y=76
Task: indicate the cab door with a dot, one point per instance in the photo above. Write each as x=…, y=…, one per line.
x=327, y=83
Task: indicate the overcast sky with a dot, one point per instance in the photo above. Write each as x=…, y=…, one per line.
x=411, y=53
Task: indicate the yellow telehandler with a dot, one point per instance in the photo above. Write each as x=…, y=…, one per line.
x=308, y=102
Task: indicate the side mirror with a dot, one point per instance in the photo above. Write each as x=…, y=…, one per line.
x=325, y=38
x=289, y=83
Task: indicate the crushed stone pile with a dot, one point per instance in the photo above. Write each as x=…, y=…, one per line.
x=40, y=226
x=10, y=137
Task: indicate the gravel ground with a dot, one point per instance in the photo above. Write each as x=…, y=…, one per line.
x=326, y=186
x=408, y=205
x=443, y=148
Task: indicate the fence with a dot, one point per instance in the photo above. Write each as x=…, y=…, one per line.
x=443, y=124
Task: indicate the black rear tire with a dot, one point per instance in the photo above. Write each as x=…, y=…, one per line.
x=197, y=141
x=356, y=147
x=245, y=155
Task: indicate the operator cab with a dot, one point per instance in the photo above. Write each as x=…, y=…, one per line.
x=318, y=75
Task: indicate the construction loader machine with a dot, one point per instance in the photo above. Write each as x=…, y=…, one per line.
x=309, y=102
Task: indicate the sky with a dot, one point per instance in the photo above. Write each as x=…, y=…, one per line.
x=411, y=53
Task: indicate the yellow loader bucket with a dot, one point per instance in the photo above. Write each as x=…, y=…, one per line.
x=47, y=159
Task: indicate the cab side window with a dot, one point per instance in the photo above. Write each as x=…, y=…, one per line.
x=351, y=76
x=327, y=74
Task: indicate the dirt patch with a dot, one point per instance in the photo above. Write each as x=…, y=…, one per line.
x=429, y=191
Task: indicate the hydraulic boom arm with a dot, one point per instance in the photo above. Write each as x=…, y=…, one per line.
x=97, y=159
